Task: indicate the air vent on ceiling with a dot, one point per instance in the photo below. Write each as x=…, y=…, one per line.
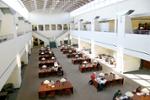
x=20, y=18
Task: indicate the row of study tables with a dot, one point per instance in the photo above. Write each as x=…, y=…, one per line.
x=86, y=64
x=64, y=86
x=49, y=66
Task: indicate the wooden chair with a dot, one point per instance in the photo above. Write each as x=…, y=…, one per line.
x=67, y=91
x=51, y=94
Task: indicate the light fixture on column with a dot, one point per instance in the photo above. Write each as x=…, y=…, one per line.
x=16, y=26
x=129, y=12
x=97, y=17
x=126, y=12
x=81, y=20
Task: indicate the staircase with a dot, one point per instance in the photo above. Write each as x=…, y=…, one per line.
x=52, y=41
x=61, y=37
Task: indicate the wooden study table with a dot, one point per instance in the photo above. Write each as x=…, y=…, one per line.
x=59, y=88
x=89, y=67
x=46, y=62
x=46, y=55
x=44, y=72
x=80, y=60
x=111, y=80
x=140, y=97
x=69, y=51
x=73, y=55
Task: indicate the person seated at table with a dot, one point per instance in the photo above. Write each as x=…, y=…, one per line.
x=138, y=89
x=50, y=52
x=44, y=66
x=101, y=75
x=63, y=80
x=98, y=65
x=55, y=68
x=84, y=63
x=127, y=95
x=51, y=82
x=55, y=63
x=145, y=91
x=53, y=58
x=42, y=53
x=43, y=59
x=101, y=83
x=123, y=97
x=42, y=48
x=60, y=69
x=76, y=56
x=117, y=95
x=46, y=82
x=93, y=77
x=70, y=51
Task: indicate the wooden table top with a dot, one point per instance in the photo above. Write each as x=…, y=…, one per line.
x=112, y=78
x=138, y=97
x=57, y=86
x=47, y=61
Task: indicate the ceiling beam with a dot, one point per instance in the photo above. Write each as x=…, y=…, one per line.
x=45, y=4
x=35, y=5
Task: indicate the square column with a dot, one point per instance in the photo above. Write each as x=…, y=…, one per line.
x=92, y=48
x=79, y=43
x=93, y=25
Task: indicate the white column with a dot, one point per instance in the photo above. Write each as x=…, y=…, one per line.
x=62, y=27
x=24, y=57
x=93, y=25
x=44, y=27
x=92, y=48
x=79, y=43
x=21, y=25
x=15, y=76
x=79, y=26
x=115, y=27
x=30, y=47
x=120, y=36
x=97, y=28
x=50, y=27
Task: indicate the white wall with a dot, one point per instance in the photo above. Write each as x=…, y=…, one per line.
x=48, y=18
x=137, y=45
x=131, y=63
x=8, y=25
x=74, y=41
x=9, y=50
x=102, y=50
x=85, y=45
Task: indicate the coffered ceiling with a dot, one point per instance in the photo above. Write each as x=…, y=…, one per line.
x=54, y=5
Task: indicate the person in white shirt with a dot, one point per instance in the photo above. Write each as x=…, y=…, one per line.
x=101, y=83
x=43, y=59
x=44, y=66
x=53, y=58
x=55, y=63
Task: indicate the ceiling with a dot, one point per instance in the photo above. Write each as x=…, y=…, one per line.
x=54, y=5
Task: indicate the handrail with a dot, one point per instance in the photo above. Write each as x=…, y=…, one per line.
x=61, y=34
x=42, y=35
